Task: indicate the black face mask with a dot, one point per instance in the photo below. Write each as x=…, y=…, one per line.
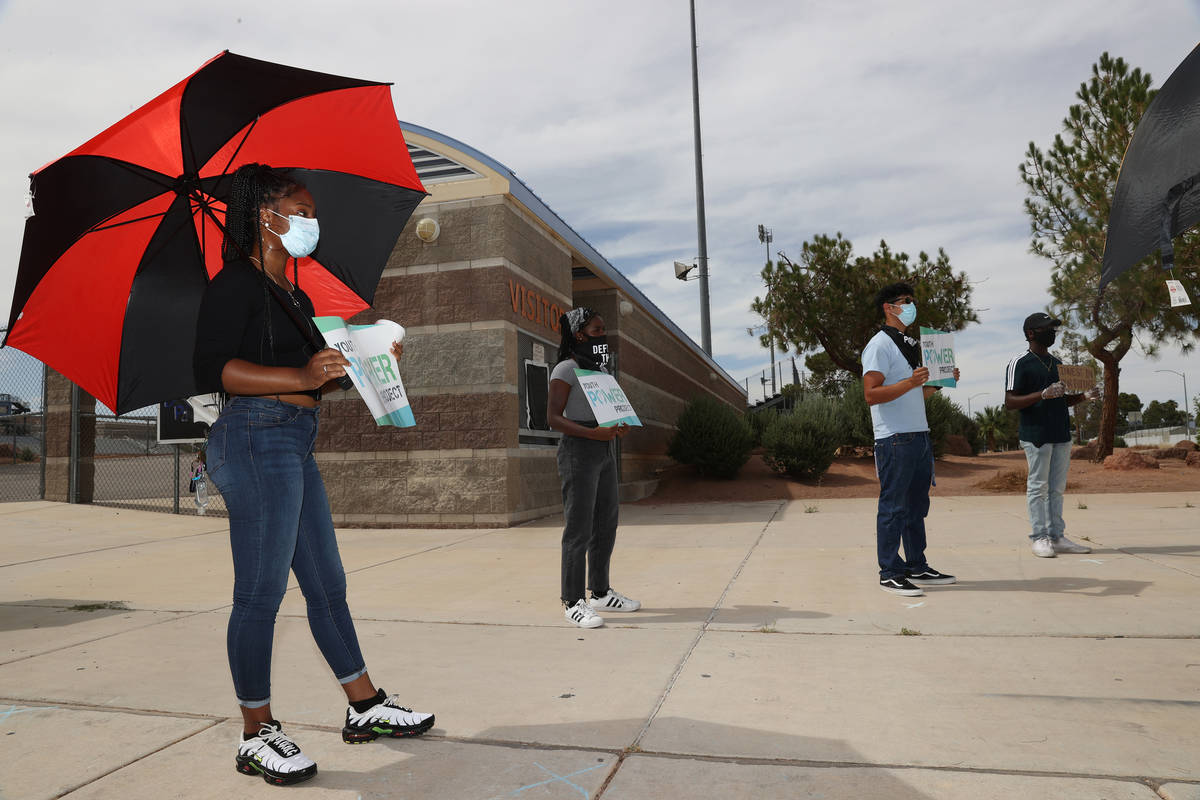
x=593, y=349
x=1045, y=338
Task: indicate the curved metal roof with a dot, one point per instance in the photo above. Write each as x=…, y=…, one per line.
x=551, y=219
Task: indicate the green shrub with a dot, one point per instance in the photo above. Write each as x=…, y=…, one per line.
x=1119, y=442
x=803, y=443
x=758, y=422
x=945, y=419
x=856, y=416
x=26, y=454
x=712, y=437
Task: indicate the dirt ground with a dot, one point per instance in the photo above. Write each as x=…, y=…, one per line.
x=987, y=474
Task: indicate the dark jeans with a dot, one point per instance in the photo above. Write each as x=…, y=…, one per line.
x=905, y=465
x=260, y=454
x=588, y=470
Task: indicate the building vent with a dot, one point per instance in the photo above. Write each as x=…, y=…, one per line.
x=435, y=168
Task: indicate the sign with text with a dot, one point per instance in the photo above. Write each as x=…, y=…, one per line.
x=1078, y=379
x=1179, y=295
x=373, y=370
x=937, y=354
x=608, y=401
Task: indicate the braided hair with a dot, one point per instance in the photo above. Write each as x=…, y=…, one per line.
x=570, y=324
x=255, y=186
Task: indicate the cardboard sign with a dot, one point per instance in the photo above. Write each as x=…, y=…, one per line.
x=1179, y=296
x=1078, y=379
x=608, y=401
x=373, y=371
x=937, y=355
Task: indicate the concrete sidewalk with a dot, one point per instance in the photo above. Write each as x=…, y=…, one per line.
x=765, y=664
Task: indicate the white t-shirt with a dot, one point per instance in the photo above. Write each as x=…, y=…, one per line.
x=905, y=414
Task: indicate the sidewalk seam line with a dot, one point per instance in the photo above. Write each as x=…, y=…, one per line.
x=703, y=629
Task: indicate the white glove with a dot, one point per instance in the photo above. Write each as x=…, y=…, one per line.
x=1092, y=393
x=1056, y=389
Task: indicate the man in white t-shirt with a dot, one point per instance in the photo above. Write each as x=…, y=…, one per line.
x=894, y=387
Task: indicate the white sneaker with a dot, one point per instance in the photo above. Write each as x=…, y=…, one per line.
x=583, y=616
x=386, y=718
x=1064, y=545
x=615, y=601
x=1043, y=548
x=274, y=756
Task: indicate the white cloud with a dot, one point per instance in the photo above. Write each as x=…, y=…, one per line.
x=897, y=121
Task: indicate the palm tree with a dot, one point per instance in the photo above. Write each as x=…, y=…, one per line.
x=992, y=422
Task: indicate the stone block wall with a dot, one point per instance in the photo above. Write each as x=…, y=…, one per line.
x=58, y=441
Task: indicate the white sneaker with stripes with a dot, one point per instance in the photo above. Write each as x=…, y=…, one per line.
x=583, y=615
x=386, y=718
x=614, y=601
x=274, y=756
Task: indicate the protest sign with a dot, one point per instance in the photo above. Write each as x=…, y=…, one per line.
x=608, y=402
x=937, y=354
x=1077, y=379
x=372, y=369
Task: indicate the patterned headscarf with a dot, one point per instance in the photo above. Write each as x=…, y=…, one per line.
x=578, y=317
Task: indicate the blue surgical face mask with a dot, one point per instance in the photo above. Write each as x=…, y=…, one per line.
x=301, y=236
x=908, y=314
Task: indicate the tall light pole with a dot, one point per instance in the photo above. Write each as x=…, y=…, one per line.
x=702, y=235
x=766, y=236
x=972, y=397
x=1186, y=414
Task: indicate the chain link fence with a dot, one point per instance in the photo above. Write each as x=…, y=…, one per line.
x=22, y=429
x=114, y=461
x=134, y=470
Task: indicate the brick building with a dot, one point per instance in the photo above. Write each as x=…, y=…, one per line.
x=479, y=292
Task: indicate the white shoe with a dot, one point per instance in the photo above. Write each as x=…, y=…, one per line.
x=614, y=601
x=583, y=616
x=1065, y=545
x=1043, y=548
x=386, y=718
x=274, y=756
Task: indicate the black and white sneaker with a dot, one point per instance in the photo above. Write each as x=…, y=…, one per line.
x=386, y=718
x=614, y=601
x=583, y=615
x=274, y=756
x=899, y=586
x=930, y=577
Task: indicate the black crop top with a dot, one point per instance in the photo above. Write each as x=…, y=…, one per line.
x=232, y=324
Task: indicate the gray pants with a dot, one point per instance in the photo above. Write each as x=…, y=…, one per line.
x=588, y=470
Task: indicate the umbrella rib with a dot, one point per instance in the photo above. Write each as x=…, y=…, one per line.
x=238, y=149
x=99, y=228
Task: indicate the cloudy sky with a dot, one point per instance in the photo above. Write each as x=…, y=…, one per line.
x=901, y=121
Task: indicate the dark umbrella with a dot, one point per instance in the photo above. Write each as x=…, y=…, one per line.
x=127, y=230
x=1155, y=198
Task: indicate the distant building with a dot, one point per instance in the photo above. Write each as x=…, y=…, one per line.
x=478, y=278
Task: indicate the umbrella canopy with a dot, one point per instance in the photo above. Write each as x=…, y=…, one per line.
x=1155, y=198
x=127, y=228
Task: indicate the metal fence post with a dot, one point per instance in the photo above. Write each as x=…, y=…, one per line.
x=73, y=473
x=45, y=404
x=176, y=479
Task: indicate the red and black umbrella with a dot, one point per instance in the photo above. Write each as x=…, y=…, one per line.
x=127, y=228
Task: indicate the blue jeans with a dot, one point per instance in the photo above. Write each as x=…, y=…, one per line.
x=1048, y=466
x=260, y=455
x=904, y=462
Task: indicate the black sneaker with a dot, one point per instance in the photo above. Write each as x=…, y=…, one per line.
x=899, y=586
x=930, y=577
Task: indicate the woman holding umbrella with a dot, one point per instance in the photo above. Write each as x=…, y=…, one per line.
x=250, y=344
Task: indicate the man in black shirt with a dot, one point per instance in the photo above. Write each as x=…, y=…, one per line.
x=1032, y=385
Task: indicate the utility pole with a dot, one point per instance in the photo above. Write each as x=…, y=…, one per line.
x=766, y=236
x=702, y=235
